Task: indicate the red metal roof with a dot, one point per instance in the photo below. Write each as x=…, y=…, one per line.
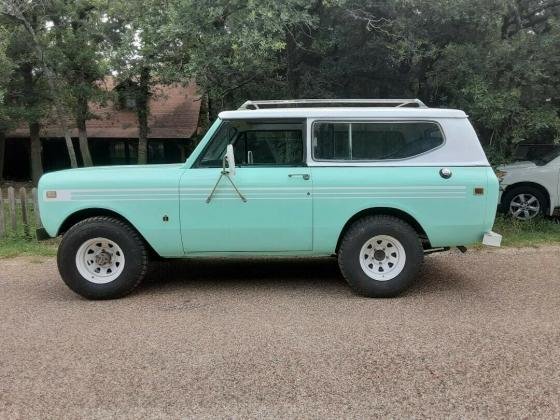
x=174, y=112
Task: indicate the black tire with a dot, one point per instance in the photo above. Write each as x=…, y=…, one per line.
x=512, y=193
x=355, y=238
x=134, y=267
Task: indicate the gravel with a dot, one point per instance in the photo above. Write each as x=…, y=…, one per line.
x=477, y=336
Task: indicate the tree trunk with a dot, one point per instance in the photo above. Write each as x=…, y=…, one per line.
x=84, y=146
x=204, y=119
x=142, y=139
x=61, y=117
x=2, y=151
x=34, y=125
x=35, y=154
x=82, y=131
x=143, y=111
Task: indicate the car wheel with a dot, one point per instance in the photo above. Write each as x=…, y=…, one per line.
x=379, y=256
x=102, y=258
x=524, y=203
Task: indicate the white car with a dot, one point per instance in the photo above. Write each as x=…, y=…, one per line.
x=530, y=186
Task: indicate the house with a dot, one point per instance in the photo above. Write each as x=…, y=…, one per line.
x=113, y=133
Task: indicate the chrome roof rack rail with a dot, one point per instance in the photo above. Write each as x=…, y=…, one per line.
x=303, y=103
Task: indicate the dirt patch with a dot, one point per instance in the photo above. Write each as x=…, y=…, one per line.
x=477, y=336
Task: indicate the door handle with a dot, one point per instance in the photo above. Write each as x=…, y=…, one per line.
x=304, y=176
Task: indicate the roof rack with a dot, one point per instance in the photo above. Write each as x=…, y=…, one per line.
x=303, y=103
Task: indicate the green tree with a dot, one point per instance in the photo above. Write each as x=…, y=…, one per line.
x=6, y=68
x=75, y=51
x=499, y=60
x=142, y=57
x=29, y=16
x=236, y=48
x=506, y=77
x=27, y=97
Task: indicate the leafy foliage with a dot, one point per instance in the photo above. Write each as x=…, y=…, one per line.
x=6, y=68
x=499, y=60
x=76, y=42
x=25, y=97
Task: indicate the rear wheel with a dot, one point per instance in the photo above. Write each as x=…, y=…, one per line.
x=524, y=203
x=379, y=256
x=102, y=258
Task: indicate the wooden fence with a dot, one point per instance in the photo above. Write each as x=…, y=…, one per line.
x=19, y=212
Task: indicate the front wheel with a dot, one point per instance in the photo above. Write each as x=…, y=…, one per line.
x=379, y=256
x=102, y=258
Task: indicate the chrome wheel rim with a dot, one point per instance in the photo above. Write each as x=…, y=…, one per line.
x=524, y=206
x=100, y=260
x=382, y=258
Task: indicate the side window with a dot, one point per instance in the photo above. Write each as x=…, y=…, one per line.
x=373, y=140
x=256, y=144
x=270, y=148
x=332, y=140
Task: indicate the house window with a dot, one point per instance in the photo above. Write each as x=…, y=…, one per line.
x=130, y=102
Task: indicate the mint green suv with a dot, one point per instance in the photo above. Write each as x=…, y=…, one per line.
x=376, y=183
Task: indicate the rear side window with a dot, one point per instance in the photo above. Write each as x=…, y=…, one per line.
x=374, y=140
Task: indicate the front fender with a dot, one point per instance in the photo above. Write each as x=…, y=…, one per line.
x=157, y=222
x=147, y=197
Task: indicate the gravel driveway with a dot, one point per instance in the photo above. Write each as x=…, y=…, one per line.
x=477, y=336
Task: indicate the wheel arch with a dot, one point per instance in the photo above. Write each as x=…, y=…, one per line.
x=386, y=211
x=86, y=213
x=531, y=184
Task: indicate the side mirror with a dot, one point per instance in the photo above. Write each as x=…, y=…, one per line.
x=229, y=161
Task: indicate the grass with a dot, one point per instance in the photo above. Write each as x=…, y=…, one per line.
x=16, y=246
x=18, y=243
x=515, y=234
x=536, y=232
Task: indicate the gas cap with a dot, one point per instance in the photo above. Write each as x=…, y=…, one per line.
x=445, y=173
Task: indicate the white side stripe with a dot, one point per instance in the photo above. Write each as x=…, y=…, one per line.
x=263, y=193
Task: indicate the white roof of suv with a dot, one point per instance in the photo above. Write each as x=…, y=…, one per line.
x=343, y=112
x=340, y=108
x=460, y=148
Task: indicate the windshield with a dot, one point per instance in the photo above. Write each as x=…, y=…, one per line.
x=539, y=154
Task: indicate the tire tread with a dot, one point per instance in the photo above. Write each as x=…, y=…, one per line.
x=130, y=231
x=358, y=228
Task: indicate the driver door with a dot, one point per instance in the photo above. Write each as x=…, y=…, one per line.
x=273, y=178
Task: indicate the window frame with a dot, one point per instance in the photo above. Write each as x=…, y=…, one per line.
x=347, y=162
x=303, y=122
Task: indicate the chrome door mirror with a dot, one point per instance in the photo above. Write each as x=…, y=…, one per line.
x=229, y=161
